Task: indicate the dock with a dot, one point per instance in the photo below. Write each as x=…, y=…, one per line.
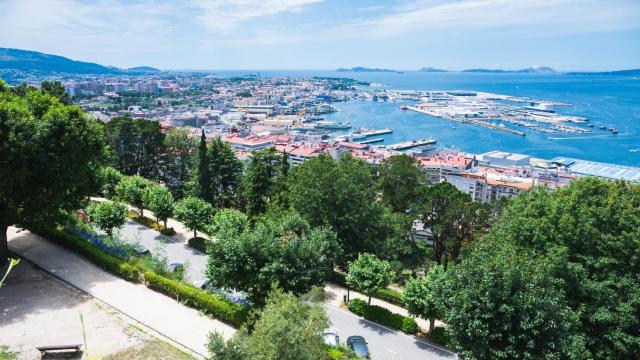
x=371, y=141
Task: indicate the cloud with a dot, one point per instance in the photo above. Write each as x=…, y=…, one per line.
x=226, y=15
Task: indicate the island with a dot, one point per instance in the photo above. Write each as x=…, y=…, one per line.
x=432, y=69
x=366, y=69
x=530, y=70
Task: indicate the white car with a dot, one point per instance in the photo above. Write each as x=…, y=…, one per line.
x=331, y=337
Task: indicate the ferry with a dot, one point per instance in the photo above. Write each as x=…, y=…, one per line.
x=332, y=125
x=411, y=144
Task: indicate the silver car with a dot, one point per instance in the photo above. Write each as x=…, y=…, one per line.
x=331, y=337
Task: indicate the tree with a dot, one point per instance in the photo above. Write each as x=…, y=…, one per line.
x=340, y=194
x=369, y=274
x=225, y=171
x=258, y=183
x=158, y=199
x=109, y=178
x=452, y=217
x=423, y=296
x=55, y=89
x=194, y=213
x=592, y=229
x=131, y=190
x=280, y=249
x=204, y=178
x=287, y=329
x=47, y=152
x=136, y=145
x=179, y=147
x=108, y=216
x=401, y=182
x=504, y=303
x=228, y=223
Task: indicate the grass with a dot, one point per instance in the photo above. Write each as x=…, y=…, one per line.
x=6, y=354
x=152, y=350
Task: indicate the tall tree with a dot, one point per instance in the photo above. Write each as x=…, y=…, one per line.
x=401, y=182
x=47, y=151
x=204, y=178
x=108, y=216
x=282, y=250
x=369, y=274
x=158, y=199
x=424, y=295
x=340, y=194
x=195, y=213
x=259, y=181
x=109, y=178
x=136, y=145
x=225, y=171
x=55, y=89
x=180, y=149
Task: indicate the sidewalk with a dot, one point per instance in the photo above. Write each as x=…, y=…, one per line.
x=336, y=292
x=165, y=315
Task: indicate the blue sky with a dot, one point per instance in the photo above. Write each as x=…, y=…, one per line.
x=326, y=34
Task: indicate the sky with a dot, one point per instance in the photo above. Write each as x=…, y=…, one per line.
x=327, y=34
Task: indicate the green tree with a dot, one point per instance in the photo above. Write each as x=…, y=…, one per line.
x=340, y=194
x=158, y=199
x=194, y=213
x=423, y=296
x=593, y=228
x=228, y=223
x=369, y=274
x=108, y=216
x=55, y=89
x=204, y=178
x=504, y=303
x=225, y=171
x=280, y=249
x=136, y=146
x=259, y=181
x=287, y=329
x=109, y=178
x=180, y=148
x=401, y=182
x=131, y=190
x=47, y=152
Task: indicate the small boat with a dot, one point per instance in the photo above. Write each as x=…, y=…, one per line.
x=403, y=107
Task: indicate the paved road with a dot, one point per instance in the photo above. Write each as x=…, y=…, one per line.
x=175, y=251
x=178, y=322
x=384, y=343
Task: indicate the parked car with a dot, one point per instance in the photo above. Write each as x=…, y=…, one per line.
x=140, y=250
x=359, y=345
x=173, y=267
x=331, y=337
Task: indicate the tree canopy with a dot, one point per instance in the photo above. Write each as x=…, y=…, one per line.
x=401, y=182
x=194, y=213
x=159, y=200
x=369, y=274
x=47, y=154
x=423, y=295
x=132, y=190
x=108, y=215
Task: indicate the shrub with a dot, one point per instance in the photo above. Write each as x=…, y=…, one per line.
x=209, y=303
x=439, y=336
x=198, y=243
x=383, y=316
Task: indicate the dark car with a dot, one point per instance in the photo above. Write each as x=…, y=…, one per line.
x=140, y=250
x=359, y=345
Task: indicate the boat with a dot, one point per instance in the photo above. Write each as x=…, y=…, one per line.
x=403, y=107
x=411, y=144
x=603, y=127
x=613, y=131
x=332, y=125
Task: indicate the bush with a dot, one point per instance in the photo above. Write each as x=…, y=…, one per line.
x=439, y=336
x=383, y=316
x=209, y=303
x=198, y=243
x=341, y=352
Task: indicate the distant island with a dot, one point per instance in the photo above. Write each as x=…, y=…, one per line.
x=432, y=69
x=531, y=70
x=365, y=69
x=630, y=72
x=26, y=60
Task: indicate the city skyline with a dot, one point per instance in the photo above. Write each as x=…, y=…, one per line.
x=326, y=34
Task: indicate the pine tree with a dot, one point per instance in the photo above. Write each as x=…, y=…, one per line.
x=204, y=179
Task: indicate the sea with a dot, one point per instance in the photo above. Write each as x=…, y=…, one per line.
x=605, y=100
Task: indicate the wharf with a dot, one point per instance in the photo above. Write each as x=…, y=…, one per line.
x=371, y=141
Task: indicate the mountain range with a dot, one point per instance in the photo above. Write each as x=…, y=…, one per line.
x=32, y=60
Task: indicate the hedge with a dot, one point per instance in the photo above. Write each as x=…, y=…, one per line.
x=212, y=304
x=150, y=223
x=439, y=336
x=196, y=298
x=198, y=243
x=383, y=316
x=388, y=295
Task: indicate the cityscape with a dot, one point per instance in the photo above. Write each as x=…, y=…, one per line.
x=319, y=179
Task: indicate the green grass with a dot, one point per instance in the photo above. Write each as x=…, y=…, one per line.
x=152, y=349
x=6, y=354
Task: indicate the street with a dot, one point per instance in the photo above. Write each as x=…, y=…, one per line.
x=384, y=343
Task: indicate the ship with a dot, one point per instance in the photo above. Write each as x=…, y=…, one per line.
x=332, y=125
x=411, y=144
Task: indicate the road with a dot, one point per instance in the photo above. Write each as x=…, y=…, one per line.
x=384, y=343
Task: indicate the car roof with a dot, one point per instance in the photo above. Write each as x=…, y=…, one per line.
x=355, y=338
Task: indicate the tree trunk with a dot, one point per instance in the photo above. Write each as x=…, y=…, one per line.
x=432, y=321
x=4, y=247
x=348, y=294
x=141, y=212
x=195, y=234
x=165, y=223
x=369, y=299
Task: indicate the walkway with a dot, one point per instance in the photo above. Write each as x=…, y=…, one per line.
x=180, y=323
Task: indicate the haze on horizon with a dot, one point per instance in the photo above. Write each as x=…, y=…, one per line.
x=327, y=34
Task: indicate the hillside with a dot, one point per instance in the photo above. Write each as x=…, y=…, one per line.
x=365, y=69
x=537, y=70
